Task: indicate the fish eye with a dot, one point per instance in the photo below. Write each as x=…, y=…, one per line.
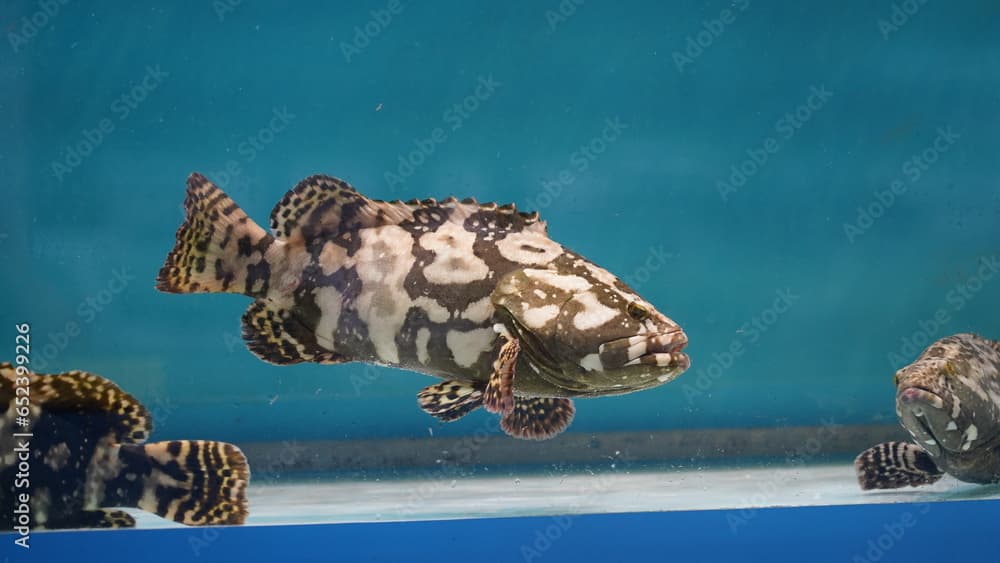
x=637, y=311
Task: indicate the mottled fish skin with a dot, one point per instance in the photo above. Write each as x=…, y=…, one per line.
x=949, y=402
x=422, y=285
x=86, y=456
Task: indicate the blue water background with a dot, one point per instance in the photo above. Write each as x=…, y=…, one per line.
x=651, y=198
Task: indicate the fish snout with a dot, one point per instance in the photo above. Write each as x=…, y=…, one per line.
x=930, y=419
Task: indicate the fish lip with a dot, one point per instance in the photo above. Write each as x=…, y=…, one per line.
x=924, y=414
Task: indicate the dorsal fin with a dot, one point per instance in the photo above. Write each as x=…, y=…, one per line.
x=83, y=393
x=323, y=206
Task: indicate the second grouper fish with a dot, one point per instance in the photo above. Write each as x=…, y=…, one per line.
x=474, y=293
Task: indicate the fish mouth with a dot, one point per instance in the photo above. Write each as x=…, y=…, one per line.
x=925, y=416
x=658, y=350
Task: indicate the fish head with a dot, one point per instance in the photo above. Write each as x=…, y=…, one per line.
x=590, y=336
x=942, y=402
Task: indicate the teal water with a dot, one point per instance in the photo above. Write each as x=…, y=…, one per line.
x=257, y=96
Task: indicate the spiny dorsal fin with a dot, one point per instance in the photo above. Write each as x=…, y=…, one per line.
x=80, y=392
x=324, y=206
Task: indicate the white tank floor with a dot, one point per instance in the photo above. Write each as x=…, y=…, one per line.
x=532, y=495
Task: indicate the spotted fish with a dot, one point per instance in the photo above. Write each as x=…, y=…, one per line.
x=475, y=294
x=949, y=401
x=85, y=457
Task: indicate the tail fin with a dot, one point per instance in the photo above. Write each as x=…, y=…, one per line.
x=218, y=249
x=892, y=465
x=193, y=482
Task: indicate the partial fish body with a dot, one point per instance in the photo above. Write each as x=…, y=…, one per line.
x=476, y=294
x=86, y=458
x=949, y=402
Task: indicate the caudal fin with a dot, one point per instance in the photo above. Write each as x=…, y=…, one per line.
x=892, y=465
x=193, y=482
x=218, y=249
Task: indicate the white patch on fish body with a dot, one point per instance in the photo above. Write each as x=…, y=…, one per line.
x=951, y=426
x=479, y=311
x=330, y=301
x=467, y=346
x=455, y=261
x=435, y=311
x=592, y=362
x=332, y=258
x=971, y=434
x=566, y=282
x=594, y=313
x=528, y=248
x=423, y=337
x=102, y=467
x=538, y=317
x=383, y=260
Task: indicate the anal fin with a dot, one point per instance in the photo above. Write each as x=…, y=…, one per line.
x=892, y=465
x=538, y=418
x=450, y=400
x=274, y=335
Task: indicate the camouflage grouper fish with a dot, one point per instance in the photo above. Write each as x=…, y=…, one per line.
x=949, y=401
x=471, y=293
x=85, y=456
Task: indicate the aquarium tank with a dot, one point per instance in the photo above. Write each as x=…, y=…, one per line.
x=520, y=281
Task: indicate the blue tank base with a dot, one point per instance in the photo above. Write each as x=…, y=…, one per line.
x=945, y=531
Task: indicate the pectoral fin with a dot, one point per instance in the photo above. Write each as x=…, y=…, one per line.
x=498, y=397
x=892, y=465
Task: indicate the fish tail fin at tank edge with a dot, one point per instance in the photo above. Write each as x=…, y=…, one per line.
x=194, y=482
x=892, y=465
x=219, y=249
